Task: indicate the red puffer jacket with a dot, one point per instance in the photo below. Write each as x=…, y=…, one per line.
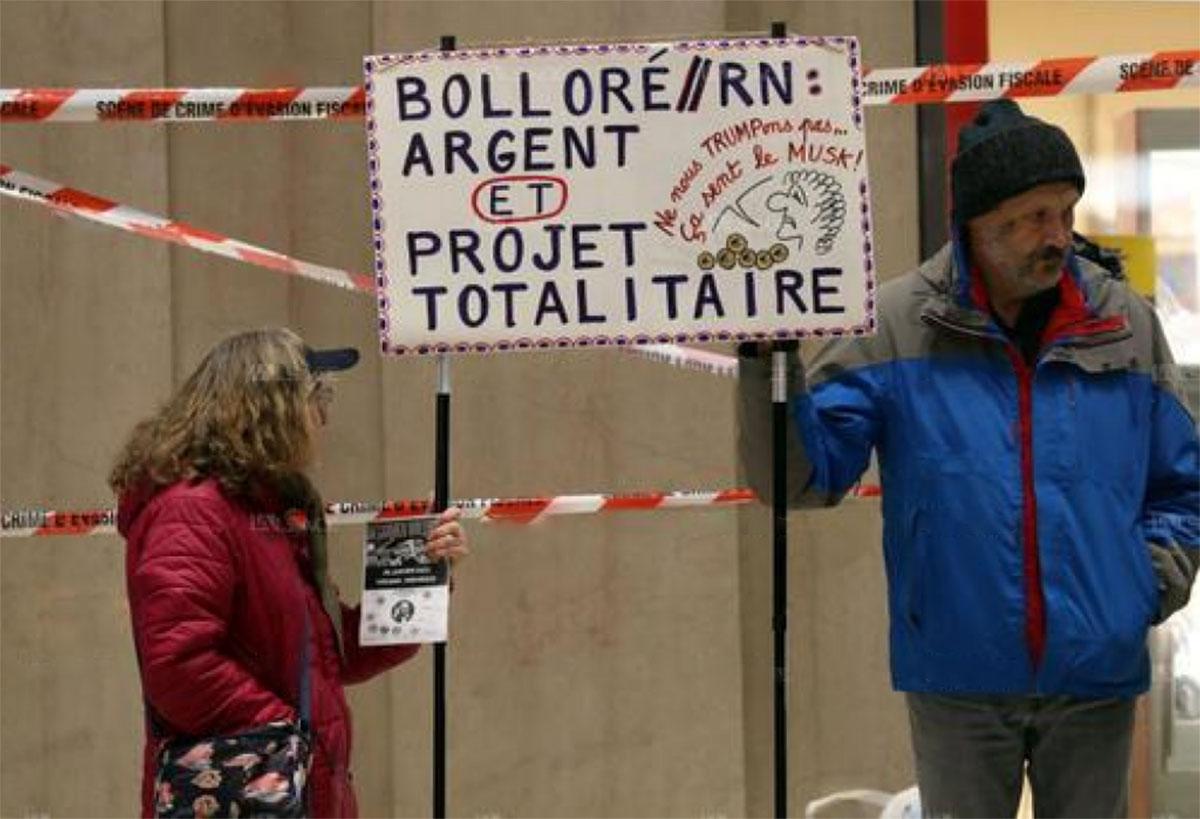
x=217, y=596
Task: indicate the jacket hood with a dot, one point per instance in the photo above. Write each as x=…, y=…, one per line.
x=968, y=291
x=261, y=496
x=948, y=274
x=132, y=502
x=1092, y=304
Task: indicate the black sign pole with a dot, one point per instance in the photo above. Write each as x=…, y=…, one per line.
x=441, y=499
x=779, y=419
x=779, y=399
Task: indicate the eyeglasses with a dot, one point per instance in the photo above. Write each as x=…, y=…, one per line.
x=322, y=393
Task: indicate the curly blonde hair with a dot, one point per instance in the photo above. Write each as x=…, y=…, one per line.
x=242, y=418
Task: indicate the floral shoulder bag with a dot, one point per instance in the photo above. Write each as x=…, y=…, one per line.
x=259, y=772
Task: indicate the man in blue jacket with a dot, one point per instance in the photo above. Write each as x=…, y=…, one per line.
x=1040, y=483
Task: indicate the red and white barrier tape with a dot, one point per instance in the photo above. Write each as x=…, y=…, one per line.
x=883, y=86
x=1063, y=76
x=43, y=523
x=79, y=203
x=179, y=104
x=688, y=358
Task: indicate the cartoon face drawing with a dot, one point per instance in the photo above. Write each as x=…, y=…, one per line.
x=809, y=203
x=792, y=207
x=804, y=208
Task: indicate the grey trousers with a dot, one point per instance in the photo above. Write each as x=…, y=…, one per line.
x=971, y=753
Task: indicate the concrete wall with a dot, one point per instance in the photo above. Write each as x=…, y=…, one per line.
x=86, y=334
x=599, y=667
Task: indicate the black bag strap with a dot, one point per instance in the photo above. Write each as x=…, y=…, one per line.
x=305, y=705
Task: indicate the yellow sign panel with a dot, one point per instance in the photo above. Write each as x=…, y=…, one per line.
x=1138, y=257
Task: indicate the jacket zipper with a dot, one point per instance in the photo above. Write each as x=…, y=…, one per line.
x=1035, y=603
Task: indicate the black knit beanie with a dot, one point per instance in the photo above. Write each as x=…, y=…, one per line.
x=1002, y=153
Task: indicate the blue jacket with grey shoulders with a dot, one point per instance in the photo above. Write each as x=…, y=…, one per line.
x=1018, y=499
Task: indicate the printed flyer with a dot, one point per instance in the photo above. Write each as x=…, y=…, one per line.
x=405, y=596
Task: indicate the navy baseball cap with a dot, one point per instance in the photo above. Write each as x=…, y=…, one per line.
x=331, y=360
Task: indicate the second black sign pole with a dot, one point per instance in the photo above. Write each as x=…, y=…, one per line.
x=779, y=419
x=441, y=499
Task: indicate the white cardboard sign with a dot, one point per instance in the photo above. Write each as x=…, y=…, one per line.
x=604, y=195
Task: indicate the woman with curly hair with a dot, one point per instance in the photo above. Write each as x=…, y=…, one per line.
x=226, y=566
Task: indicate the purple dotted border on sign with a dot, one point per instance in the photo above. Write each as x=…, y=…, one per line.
x=375, y=63
x=864, y=190
x=375, y=183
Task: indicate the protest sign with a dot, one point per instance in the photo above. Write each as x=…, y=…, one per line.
x=597, y=195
